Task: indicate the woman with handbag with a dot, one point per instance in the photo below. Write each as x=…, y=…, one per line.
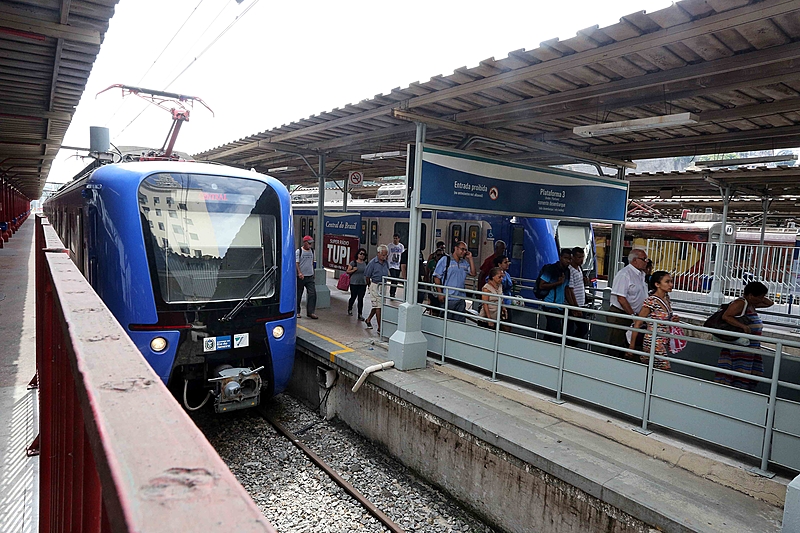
x=492, y=292
x=741, y=313
x=658, y=306
x=358, y=283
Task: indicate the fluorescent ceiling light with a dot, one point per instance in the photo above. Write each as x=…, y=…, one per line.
x=281, y=169
x=746, y=161
x=381, y=155
x=639, y=124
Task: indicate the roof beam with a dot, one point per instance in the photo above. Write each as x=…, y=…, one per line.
x=25, y=112
x=513, y=139
x=671, y=86
x=25, y=20
x=697, y=28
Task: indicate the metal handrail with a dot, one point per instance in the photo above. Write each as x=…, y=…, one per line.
x=530, y=305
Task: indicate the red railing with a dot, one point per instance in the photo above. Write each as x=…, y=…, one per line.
x=117, y=451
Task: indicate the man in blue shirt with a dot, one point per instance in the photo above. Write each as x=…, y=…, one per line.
x=377, y=269
x=555, y=279
x=451, y=272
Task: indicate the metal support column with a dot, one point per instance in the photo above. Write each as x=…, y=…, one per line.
x=717, y=294
x=615, y=254
x=765, y=201
x=408, y=347
x=320, y=274
x=617, y=242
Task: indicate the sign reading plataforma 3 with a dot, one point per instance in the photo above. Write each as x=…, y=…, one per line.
x=464, y=181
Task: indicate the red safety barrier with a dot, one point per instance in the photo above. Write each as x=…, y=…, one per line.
x=118, y=453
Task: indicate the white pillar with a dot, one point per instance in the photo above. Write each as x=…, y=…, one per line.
x=408, y=347
x=320, y=274
x=791, y=508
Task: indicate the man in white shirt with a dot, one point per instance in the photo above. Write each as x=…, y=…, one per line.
x=577, y=284
x=396, y=250
x=627, y=296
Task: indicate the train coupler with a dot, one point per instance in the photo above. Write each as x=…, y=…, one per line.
x=236, y=388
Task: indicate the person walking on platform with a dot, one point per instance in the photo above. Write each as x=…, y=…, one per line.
x=358, y=283
x=304, y=262
x=555, y=279
x=742, y=314
x=627, y=296
x=577, y=284
x=396, y=250
x=451, y=273
x=493, y=290
x=658, y=306
x=488, y=263
x=376, y=270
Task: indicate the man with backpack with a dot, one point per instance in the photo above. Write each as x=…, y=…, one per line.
x=552, y=286
x=451, y=273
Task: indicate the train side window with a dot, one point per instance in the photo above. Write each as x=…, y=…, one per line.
x=373, y=233
x=473, y=239
x=423, y=236
x=517, y=242
x=363, y=232
x=311, y=226
x=401, y=228
x=303, y=227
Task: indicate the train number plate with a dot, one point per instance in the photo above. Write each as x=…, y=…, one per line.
x=216, y=344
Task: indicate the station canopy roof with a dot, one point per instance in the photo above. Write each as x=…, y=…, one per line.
x=47, y=49
x=732, y=64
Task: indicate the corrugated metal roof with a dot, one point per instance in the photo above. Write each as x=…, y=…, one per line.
x=731, y=62
x=47, y=49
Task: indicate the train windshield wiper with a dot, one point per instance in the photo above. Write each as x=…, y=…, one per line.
x=249, y=295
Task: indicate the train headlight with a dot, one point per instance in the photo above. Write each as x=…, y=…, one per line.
x=277, y=332
x=158, y=344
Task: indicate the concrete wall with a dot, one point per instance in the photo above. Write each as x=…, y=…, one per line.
x=503, y=490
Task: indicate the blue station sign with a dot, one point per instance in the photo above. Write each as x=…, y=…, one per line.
x=346, y=224
x=466, y=182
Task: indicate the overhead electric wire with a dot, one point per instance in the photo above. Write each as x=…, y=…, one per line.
x=217, y=38
x=156, y=59
x=237, y=19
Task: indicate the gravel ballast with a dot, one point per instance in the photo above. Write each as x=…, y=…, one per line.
x=296, y=496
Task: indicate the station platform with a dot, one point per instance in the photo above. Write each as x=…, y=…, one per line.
x=670, y=484
x=19, y=474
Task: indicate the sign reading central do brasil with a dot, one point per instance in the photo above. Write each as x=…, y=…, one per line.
x=456, y=179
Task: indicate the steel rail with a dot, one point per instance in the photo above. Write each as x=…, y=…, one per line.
x=334, y=475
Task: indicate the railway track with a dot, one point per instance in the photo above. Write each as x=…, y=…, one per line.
x=297, y=495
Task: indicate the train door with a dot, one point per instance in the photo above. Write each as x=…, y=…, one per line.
x=369, y=236
x=456, y=234
x=473, y=241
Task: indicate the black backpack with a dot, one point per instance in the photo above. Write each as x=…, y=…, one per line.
x=538, y=291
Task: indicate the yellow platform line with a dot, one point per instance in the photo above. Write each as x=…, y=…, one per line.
x=333, y=355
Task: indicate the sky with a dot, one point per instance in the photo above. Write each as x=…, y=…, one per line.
x=279, y=62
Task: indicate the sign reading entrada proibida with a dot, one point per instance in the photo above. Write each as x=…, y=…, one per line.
x=464, y=181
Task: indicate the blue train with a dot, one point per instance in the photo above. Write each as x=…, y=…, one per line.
x=531, y=242
x=196, y=261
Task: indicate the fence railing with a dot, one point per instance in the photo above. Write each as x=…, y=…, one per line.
x=117, y=451
x=687, y=399
x=694, y=269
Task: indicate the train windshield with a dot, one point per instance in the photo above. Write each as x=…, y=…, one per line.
x=210, y=238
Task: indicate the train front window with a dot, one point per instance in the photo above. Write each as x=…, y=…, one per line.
x=219, y=246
